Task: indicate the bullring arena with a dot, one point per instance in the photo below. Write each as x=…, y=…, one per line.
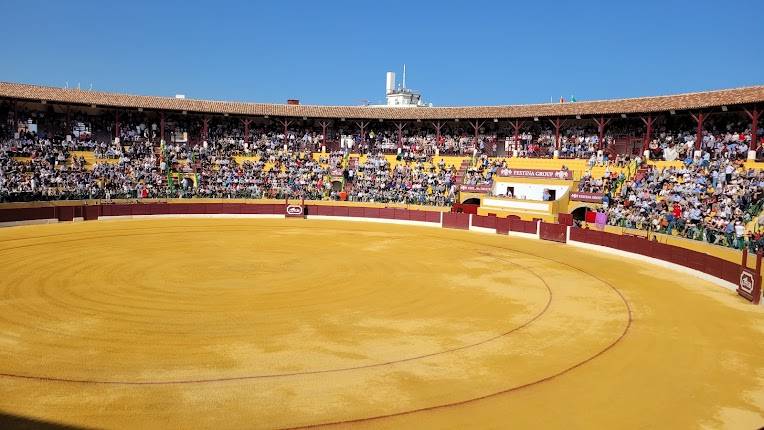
x=280, y=311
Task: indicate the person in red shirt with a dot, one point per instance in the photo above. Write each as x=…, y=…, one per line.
x=677, y=211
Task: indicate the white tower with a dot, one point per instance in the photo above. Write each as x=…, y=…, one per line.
x=390, y=87
x=400, y=96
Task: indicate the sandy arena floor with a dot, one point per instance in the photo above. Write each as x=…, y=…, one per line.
x=222, y=323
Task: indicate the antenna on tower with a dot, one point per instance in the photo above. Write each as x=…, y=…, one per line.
x=404, y=77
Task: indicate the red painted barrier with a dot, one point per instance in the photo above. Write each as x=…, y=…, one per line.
x=459, y=221
x=520, y=226
x=65, y=213
x=258, y=209
x=598, y=236
x=213, y=208
x=610, y=240
x=491, y=221
x=355, y=212
x=578, y=234
x=553, y=232
x=464, y=208
x=90, y=213
x=702, y=262
x=341, y=211
x=122, y=210
x=371, y=213
x=278, y=209
x=632, y=244
x=140, y=209
x=484, y=221
x=434, y=217
x=714, y=266
x=387, y=213
x=231, y=208
x=309, y=210
x=26, y=214
x=420, y=216
x=502, y=225
x=324, y=210
x=731, y=272
x=402, y=214
x=182, y=209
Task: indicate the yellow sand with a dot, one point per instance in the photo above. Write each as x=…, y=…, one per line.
x=224, y=323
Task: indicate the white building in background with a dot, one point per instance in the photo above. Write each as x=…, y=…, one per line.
x=399, y=95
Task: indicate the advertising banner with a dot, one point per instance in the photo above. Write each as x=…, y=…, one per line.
x=580, y=196
x=749, y=286
x=474, y=188
x=295, y=211
x=536, y=173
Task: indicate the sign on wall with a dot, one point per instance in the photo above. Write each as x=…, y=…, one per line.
x=536, y=173
x=749, y=286
x=580, y=196
x=295, y=211
x=474, y=188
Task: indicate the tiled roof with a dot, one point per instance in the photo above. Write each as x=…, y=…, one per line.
x=709, y=99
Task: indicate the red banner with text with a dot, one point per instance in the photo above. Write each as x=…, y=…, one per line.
x=536, y=173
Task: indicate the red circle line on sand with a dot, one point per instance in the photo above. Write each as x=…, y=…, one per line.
x=303, y=373
x=507, y=390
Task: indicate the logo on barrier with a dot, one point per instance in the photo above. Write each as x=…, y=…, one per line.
x=746, y=282
x=294, y=210
x=749, y=287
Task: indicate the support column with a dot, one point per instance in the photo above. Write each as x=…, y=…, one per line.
x=754, y=114
x=246, y=122
x=116, y=125
x=699, y=119
x=161, y=127
x=400, y=126
x=438, y=127
x=557, y=124
x=286, y=123
x=15, y=116
x=476, y=126
x=648, y=131
x=205, y=128
x=516, y=124
x=601, y=123
x=324, y=137
x=362, y=125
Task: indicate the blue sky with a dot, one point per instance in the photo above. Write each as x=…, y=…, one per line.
x=336, y=52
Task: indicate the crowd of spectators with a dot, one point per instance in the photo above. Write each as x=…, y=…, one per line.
x=711, y=198
x=712, y=201
x=721, y=139
x=411, y=182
